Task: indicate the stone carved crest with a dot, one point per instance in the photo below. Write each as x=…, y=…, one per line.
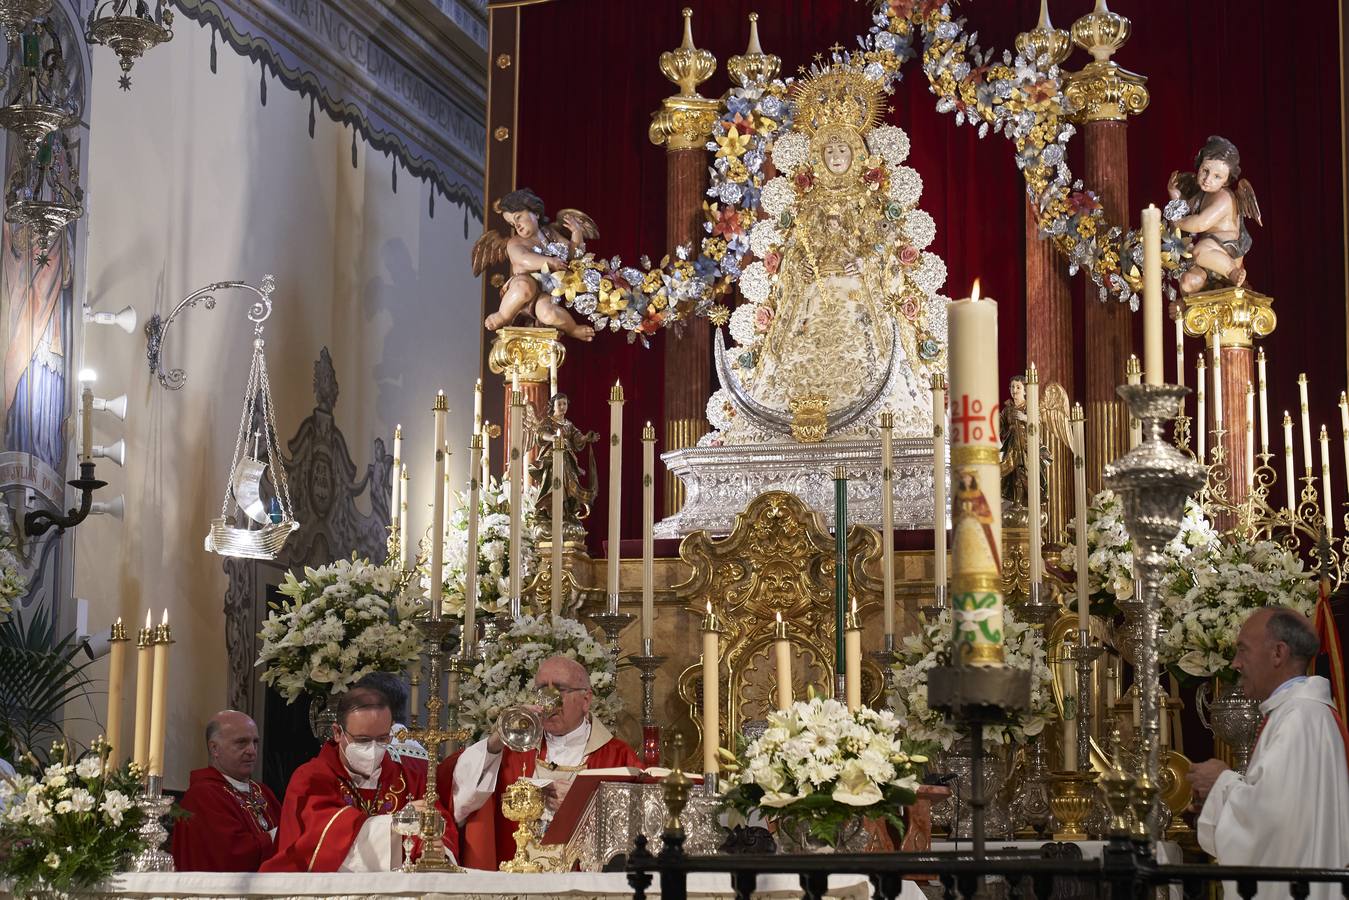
x=778, y=558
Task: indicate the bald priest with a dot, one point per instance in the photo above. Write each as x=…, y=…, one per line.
x=231, y=819
x=479, y=775
x=338, y=813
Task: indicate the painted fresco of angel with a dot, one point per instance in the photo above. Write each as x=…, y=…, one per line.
x=524, y=212
x=1219, y=202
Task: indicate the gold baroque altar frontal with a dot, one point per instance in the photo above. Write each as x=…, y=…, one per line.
x=471, y=885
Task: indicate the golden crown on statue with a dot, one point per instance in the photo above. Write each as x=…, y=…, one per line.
x=839, y=95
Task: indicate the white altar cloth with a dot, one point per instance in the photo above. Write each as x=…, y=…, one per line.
x=472, y=885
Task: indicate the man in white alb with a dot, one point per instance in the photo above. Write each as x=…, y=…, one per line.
x=1291, y=807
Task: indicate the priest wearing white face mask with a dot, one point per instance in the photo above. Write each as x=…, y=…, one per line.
x=337, y=815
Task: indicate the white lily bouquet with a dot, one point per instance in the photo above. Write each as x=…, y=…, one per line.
x=1208, y=599
x=1110, y=551
x=494, y=558
x=505, y=675
x=70, y=825
x=338, y=624
x=930, y=647
x=817, y=767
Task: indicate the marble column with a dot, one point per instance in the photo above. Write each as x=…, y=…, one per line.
x=1239, y=316
x=1106, y=95
x=682, y=126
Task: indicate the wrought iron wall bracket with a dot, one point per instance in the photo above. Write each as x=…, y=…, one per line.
x=157, y=329
x=39, y=521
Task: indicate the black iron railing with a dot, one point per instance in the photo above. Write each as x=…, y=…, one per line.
x=1126, y=869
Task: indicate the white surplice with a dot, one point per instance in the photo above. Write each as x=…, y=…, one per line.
x=1291, y=808
x=475, y=774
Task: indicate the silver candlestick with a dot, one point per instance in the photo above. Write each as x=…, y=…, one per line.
x=885, y=658
x=1153, y=481
x=647, y=663
x=1083, y=655
x=155, y=805
x=1039, y=607
x=612, y=623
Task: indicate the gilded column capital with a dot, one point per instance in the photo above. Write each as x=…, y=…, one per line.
x=1104, y=91
x=1045, y=40
x=526, y=352
x=1241, y=313
x=753, y=68
x=684, y=121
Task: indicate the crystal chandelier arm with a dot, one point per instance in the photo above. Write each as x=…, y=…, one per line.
x=157, y=329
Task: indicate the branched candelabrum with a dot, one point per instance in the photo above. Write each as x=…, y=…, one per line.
x=647, y=663
x=433, y=858
x=1153, y=481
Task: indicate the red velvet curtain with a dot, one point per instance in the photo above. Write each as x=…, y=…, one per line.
x=589, y=82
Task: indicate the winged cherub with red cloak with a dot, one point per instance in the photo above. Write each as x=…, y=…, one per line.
x=1217, y=202
x=532, y=231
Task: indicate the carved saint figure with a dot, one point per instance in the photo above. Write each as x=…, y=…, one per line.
x=555, y=429
x=1012, y=423
x=1212, y=206
x=524, y=212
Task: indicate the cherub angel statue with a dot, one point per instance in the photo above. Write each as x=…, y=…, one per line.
x=524, y=212
x=1212, y=206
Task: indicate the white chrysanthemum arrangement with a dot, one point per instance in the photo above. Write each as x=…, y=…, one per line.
x=338, y=624
x=929, y=647
x=1208, y=599
x=13, y=584
x=494, y=558
x=821, y=765
x=505, y=675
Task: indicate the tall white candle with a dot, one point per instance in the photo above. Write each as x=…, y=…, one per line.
x=1327, y=504
x=939, y=513
x=976, y=514
x=1200, y=422
x=1180, y=347
x=1218, y=379
x=1306, y=423
x=86, y=424
x=396, y=504
x=558, y=514
x=852, y=660
x=1132, y=375
x=1033, y=473
x=1250, y=438
x=1264, y=402
x=888, y=521
x=471, y=544
x=1288, y=461
x=486, y=454
x=1152, y=295
x=552, y=372
x=615, y=489
x=782, y=651
x=447, y=491
x=117, y=642
x=711, y=691
x=145, y=673
x=1344, y=432
x=477, y=407
x=1076, y=423
x=159, y=701
x=648, y=532
x=439, y=412
x=515, y=467
x=403, y=517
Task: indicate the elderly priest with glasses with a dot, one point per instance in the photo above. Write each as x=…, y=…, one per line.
x=573, y=742
x=338, y=812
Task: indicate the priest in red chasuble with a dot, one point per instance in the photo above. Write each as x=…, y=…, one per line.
x=339, y=806
x=480, y=774
x=232, y=819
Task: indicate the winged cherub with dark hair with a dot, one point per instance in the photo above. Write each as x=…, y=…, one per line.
x=1218, y=201
x=523, y=211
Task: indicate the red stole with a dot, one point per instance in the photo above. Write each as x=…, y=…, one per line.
x=225, y=830
x=324, y=810
x=488, y=836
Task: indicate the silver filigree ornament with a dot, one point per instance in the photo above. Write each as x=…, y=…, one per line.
x=129, y=32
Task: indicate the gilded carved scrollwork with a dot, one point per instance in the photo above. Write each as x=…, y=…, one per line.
x=1241, y=313
x=778, y=558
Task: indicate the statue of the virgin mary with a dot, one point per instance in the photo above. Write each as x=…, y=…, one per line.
x=842, y=319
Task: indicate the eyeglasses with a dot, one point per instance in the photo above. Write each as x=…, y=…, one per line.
x=563, y=689
x=383, y=740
